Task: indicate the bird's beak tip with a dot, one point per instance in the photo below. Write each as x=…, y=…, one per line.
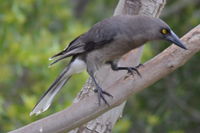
x=181, y=45
x=185, y=48
x=175, y=39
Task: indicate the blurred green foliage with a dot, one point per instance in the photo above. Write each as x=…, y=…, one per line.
x=31, y=31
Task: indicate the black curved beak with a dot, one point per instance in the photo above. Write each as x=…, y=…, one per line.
x=175, y=39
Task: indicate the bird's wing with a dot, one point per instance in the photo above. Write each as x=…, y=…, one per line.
x=72, y=45
x=100, y=34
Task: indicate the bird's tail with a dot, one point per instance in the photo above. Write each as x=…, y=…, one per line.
x=45, y=101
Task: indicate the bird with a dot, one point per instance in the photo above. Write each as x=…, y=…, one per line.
x=104, y=44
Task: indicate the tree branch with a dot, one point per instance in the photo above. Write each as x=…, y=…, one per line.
x=88, y=109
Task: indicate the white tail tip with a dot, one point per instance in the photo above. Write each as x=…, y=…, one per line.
x=38, y=110
x=50, y=58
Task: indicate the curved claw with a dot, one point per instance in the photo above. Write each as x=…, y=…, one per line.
x=131, y=69
x=101, y=94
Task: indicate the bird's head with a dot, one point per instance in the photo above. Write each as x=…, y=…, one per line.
x=166, y=33
x=155, y=29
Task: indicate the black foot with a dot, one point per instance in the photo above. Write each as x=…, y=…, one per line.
x=101, y=94
x=131, y=71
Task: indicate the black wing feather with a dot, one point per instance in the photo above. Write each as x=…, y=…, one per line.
x=70, y=46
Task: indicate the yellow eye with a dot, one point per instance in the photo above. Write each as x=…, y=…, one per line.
x=164, y=31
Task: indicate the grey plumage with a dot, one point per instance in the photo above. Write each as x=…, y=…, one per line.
x=104, y=44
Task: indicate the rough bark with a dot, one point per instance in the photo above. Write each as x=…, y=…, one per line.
x=87, y=109
x=107, y=77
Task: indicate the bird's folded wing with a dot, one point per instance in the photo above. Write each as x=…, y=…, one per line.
x=99, y=35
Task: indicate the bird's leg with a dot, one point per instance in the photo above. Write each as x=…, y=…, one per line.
x=100, y=91
x=129, y=69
